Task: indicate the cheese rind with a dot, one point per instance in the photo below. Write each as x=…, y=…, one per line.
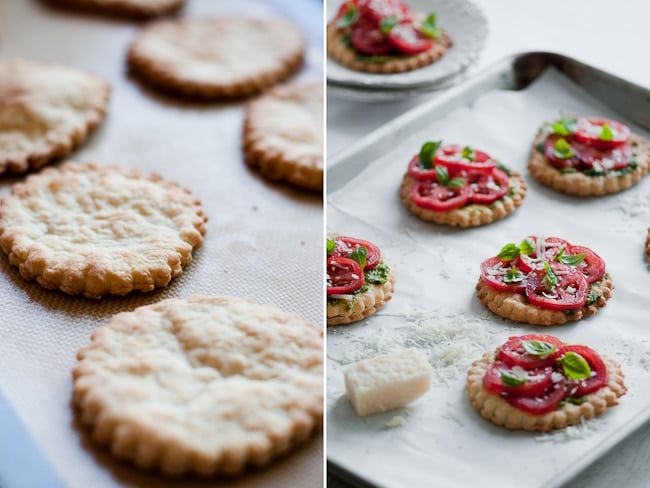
x=387, y=382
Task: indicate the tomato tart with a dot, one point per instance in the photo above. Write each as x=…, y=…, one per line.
x=359, y=281
x=460, y=186
x=588, y=156
x=538, y=383
x=544, y=281
x=384, y=36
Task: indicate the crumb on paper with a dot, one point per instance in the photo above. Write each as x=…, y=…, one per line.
x=396, y=421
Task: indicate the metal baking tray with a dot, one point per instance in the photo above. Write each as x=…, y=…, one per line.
x=513, y=73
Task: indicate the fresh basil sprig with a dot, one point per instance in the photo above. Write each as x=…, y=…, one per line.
x=468, y=153
x=541, y=349
x=428, y=26
x=510, y=379
x=562, y=149
x=564, y=126
x=550, y=278
x=350, y=17
x=509, y=252
x=427, y=151
x=569, y=259
x=443, y=178
x=575, y=366
x=606, y=133
x=513, y=275
x=386, y=24
x=526, y=247
x=360, y=255
x=331, y=245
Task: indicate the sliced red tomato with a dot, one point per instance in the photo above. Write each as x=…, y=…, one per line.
x=344, y=275
x=599, y=376
x=409, y=40
x=377, y=10
x=592, y=267
x=562, y=163
x=493, y=271
x=605, y=159
x=590, y=129
x=512, y=353
x=434, y=196
x=451, y=156
x=550, y=248
x=370, y=40
x=420, y=173
x=570, y=292
x=345, y=246
x=343, y=9
x=541, y=404
x=537, y=380
x=485, y=188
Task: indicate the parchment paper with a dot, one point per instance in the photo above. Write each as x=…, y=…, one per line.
x=443, y=441
x=262, y=240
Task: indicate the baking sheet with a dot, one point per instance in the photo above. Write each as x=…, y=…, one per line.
x=435, y=308
x=253, y=246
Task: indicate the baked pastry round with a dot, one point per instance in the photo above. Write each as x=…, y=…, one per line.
x=46, y=110
x=206, y=385
x=283, y=135
x=94, y=230
x=585, y=156
x=549, y=397
x=216, y=58
x=359, y=280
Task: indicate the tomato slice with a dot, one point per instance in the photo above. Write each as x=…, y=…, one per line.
x=420, y=173
x=589, y=130
x=409, y=40
x=343, y=9
x=345, y=246
x=599, y=376
x=537, y=380
x=493, y=271
x=607, y=159
x=377, y=10
x=512, y=353
x=451, y=156
x=562, y=163
x=370, y=40
x=344, y=275
x=570, y=292
x=434, y=196
x=486, y=188
x=592, y=267
x=541, y=404
x=549, y=249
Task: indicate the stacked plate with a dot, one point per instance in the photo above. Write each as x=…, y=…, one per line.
x=465, y=23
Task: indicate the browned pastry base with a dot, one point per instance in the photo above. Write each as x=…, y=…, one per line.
x=500, y=412
x=472, y=215
x=349, y=57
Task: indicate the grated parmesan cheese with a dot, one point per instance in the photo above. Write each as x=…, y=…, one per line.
x=583, y=430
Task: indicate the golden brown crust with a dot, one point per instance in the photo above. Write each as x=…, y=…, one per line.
x=582, y=185
x=97, y=230
x=349, y=57
x=216, y=58
x=364, y=305
x=500, y=412
x=137, y=9
x=46, y=110
x=515, y=307
x=283, y=135
x=472, y=215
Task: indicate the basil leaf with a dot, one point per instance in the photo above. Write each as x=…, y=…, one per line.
x=468, y=153
x=442, y=174
x=331, y=245
x=509, y=379
x=592, y=298
x=550, y=279
x=504, y=168
x=564, y=127
x=428, y=26
x=350, y=17
x=508, y=252
x=562, y=149
x=360, y=255
x=572, y=259
x=513, y=275
x=575, y=366
x=456, y=183
x=606, y=133
x=541, y=349
x=427, y=151
x=574, y=400
x=386, y=25
x=526, y=247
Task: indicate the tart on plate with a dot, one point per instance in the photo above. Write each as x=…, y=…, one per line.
x=384, y=36
x=359, y=280
x=460, y=186
x=538, y=383
x=544, y=281
x=588, y=156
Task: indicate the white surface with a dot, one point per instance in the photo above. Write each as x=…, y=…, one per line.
x=437, y=269
x=613, y=36
x=259, y=235
x=461, y=19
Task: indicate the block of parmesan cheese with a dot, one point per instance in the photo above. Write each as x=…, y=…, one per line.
x=387, y=382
